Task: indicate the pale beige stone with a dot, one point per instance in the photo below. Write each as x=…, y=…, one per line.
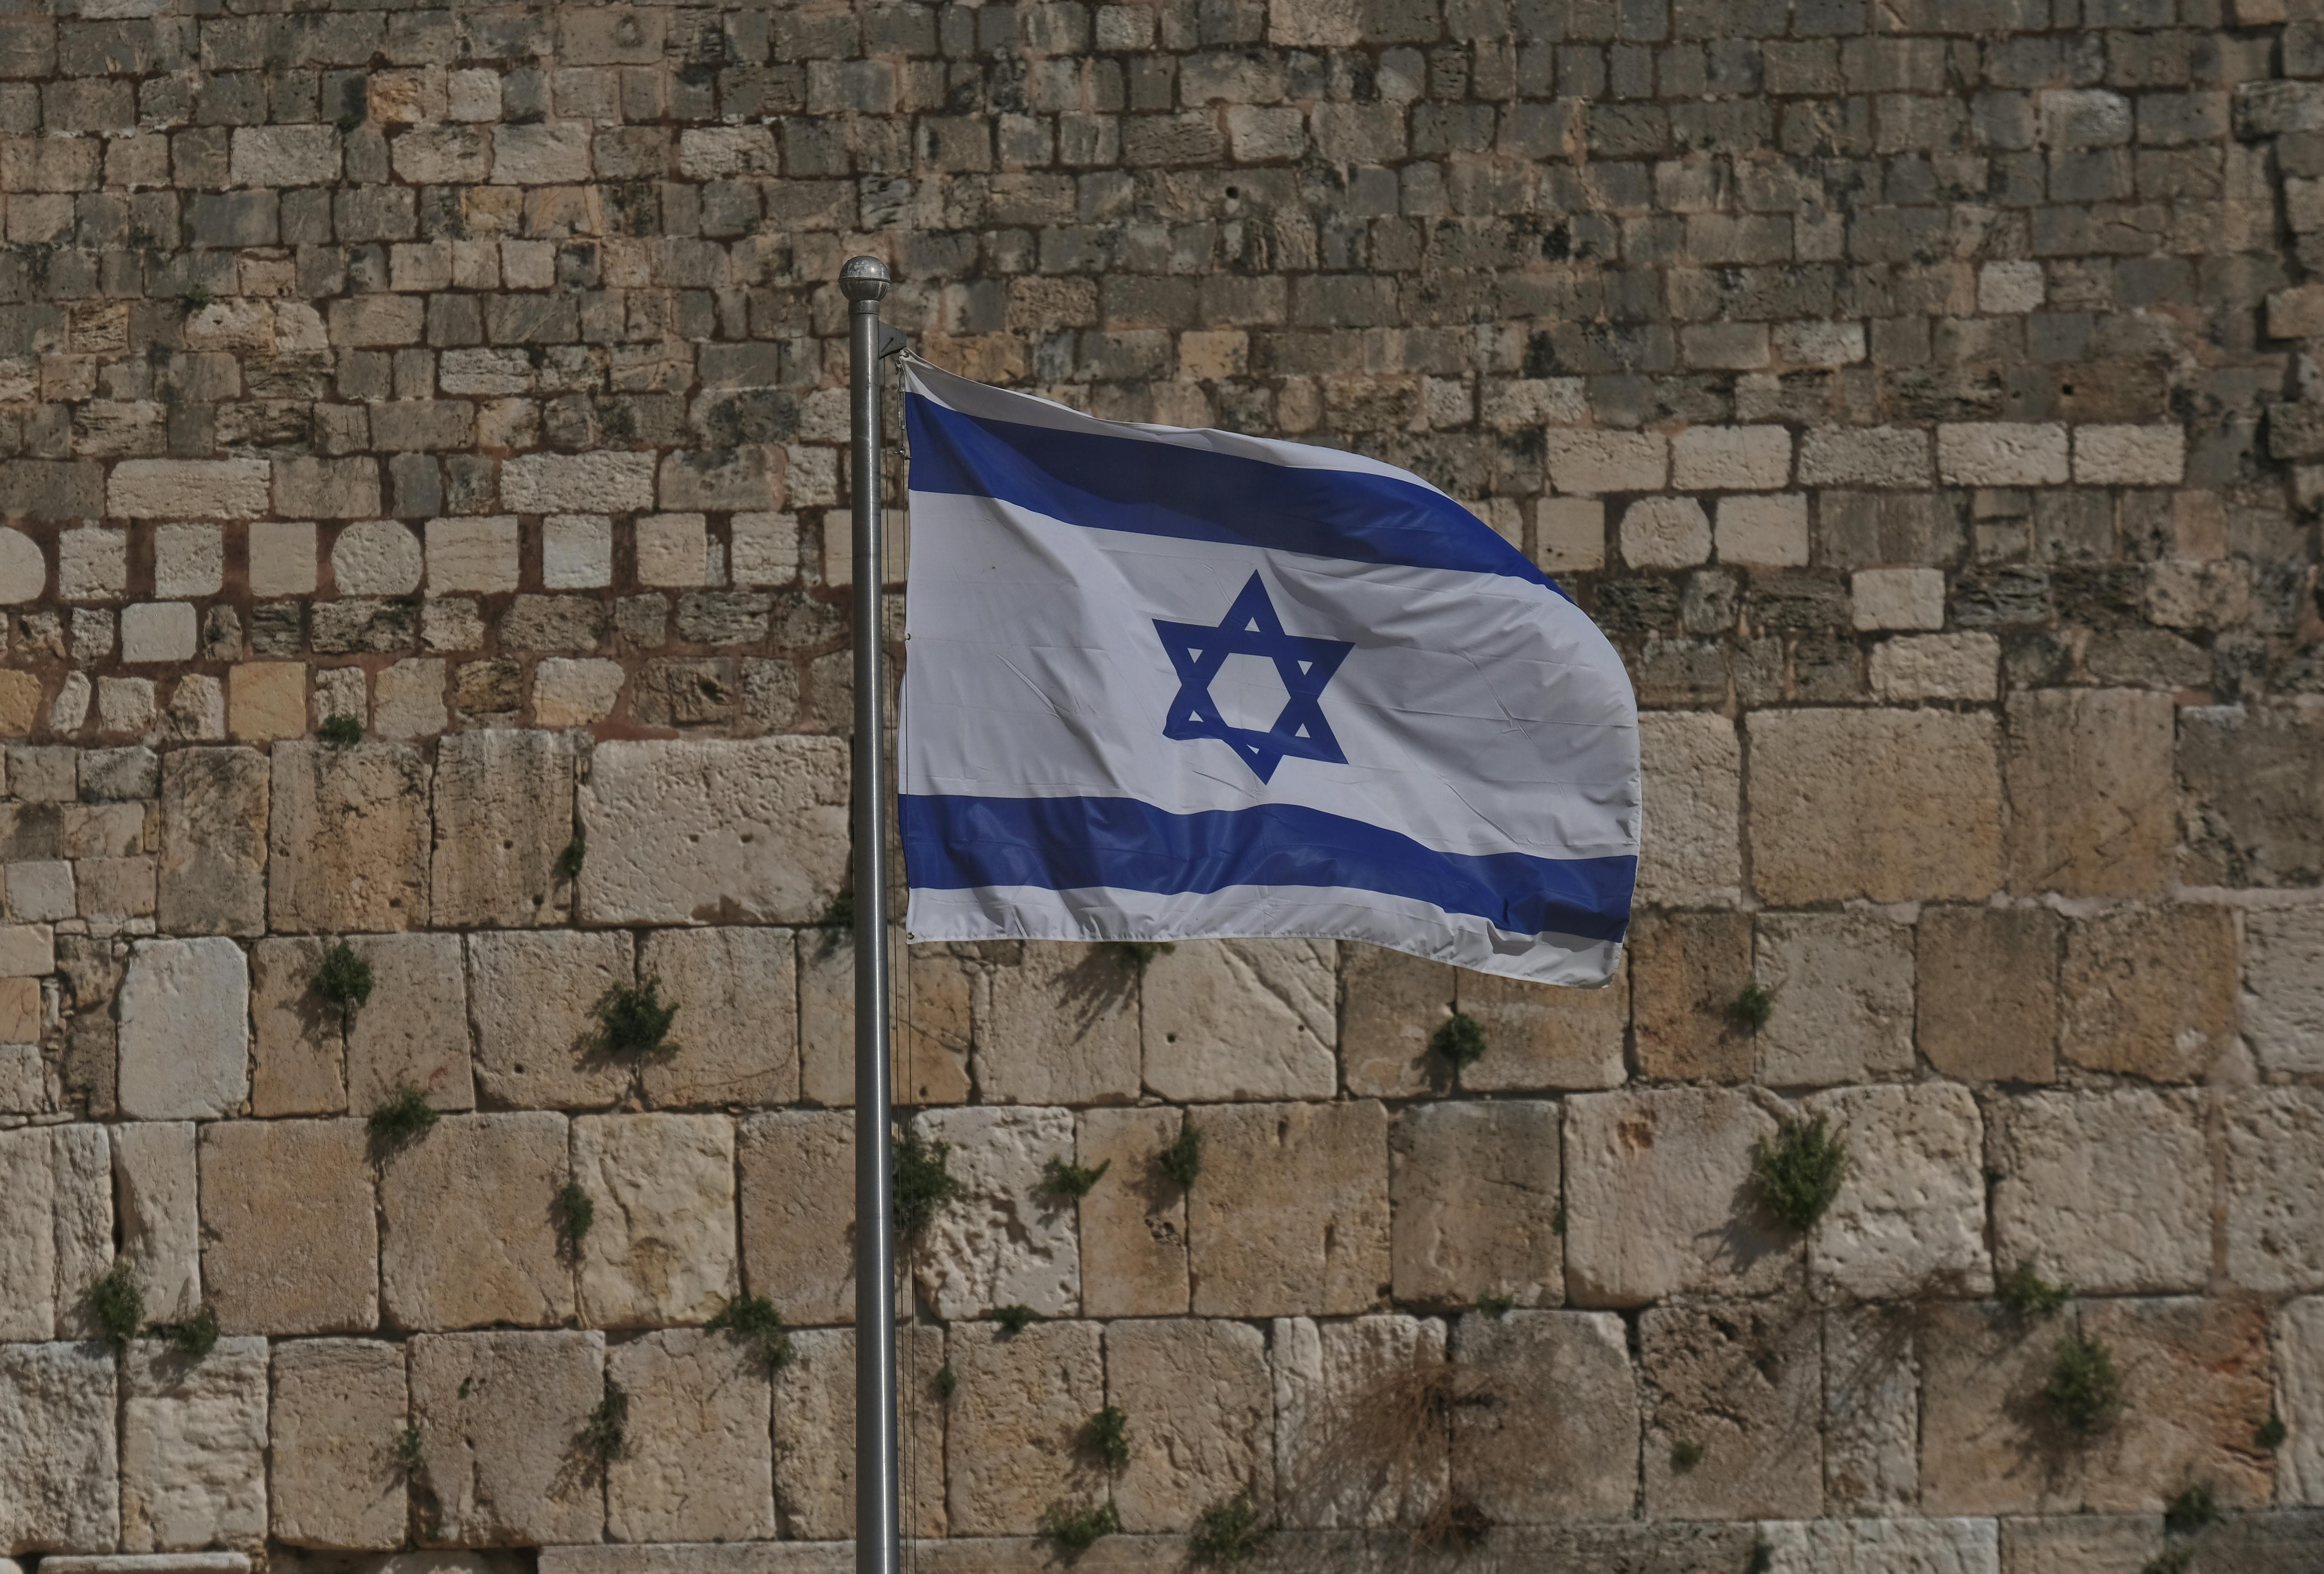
x=1133, y=1220
x=2299, y=1386
x=348, y=840
x=503, y=820
x=477, y=554
x=377, y=557
x=282, y=558
x=1014, y=1423
x=1985, y=992
x=1290, y=1211
x=1608, y=461
x=798, y=1185
x=2276, y=1189
x=157, y=1194
x=1063, y=1029
x=1546, y=1425
x=1871, y=1410
x=814, y=1434
x=2001, y=453
x=1742, y=1382
x=56, y=1232
x=289, y=1240
x=2110, y=1191
x=932, y=1026
x=1910, y=1215
x=1936, y=666
x=1392, y=1005
x=266, y=700
x=1730, y=458
x=1570, y=534
x=470, y=1234
x=2149, y=991
x=2195, y=1387
x=59, y=1470
x=413, y=1032
x=537, y=1039
x=1543, y=1035
x=1201, y=1404
x=188, y=488
x=662, y=1249
x=185, y=1035
x=1241, y=1019
x=2080, y=1543
x=698, y=1465
x=1665, y=533
x=297, y=1045
x=612, y=483
x=1872, y=456
x=1881, y=598
x=2284, y=988
x=1658, y=1198
x=212, y=877
x=673, y=549
x=1765, y=531
x=2093, y=795
x=1002, y=1240
x=1475, y=1194
x=1690, y=843
x=1876, y=1546
x=1842, y=988
x=752, y=831
x=193, y=1446
x=1983, y=1446
x=1357, y=1441
x=737, y=1028
x=499, y=1416
x=338, y=1407
x=575, y=691
x=2130, y=456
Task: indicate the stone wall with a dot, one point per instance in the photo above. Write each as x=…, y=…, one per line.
x=1918, y=392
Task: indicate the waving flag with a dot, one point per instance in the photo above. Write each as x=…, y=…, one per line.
x=1166, y=683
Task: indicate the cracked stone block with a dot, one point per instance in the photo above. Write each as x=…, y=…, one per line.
x=1474, y=1189
x=310, y=1056
x=339, y=1406
x=56, y=1232
x=1063, y=1029
x=1241, y=1019
x=662, y=1248
x=2110, y=1191
x=1910, y=1215
x=193, y=1446
x=470, y=1233
x=1543, y=1036
x=698, y=1465
x=2196, y=1391
x=815, y=1432
x=500, y=1417
x=1011, y=1437
x=503, y=820
x=1741, y=1383
x=737, y=1027
x=1002, y=1241
x=1875, y=1546
x=1201, y=1404
x=60, y=1472
x=1357, y=1437
x=537, y=1040
x=1544, y=1416
x=347, y=839
x=1133, y=1220
x=290, y=1237
x=1290, y=1214
x=798, y=1169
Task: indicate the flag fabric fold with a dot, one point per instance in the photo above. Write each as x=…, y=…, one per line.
x=1164, y=683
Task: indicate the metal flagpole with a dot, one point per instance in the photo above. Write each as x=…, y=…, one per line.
x=878, y=1522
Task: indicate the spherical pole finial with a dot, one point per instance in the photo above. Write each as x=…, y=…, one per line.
x=863, y=278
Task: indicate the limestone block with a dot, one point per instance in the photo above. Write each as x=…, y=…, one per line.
x=347, y=841
x=698, y=1466
x=266, y=700
x=158, y=1190
x=290, y=1238
x=2000, y=453
x=1133, y=1221
x=157, y=631
x=193, y=1446
x=282, y=558
x=2195, y=1390
x=1742, y=1382
x=2110, y=1191
x=1548, y=1421
x=815, y=1433
x=577, y=552
x=574, y=692
x=188, y=489
x=1871, y=1410
x=2081, y=1543
x=477, y=554
x=738, y=989
x=1985, y=992
x=1348, y=1448
x=2276, y=1189
x=1608, y=461
x=504, y=819
x=673, y=549
x=60, y=1471
x=413, y=1032
x=1882, y=598
x=530, y=995
x=1936, y=666
x=1877, y=1546
x=2255, y=797
x=1063, y=1029
x=2093, y=802
x=933, y=1025
x=39, y=889
x=297, y=1046
x=1911, y=1212
x=2300, y=1382
x=1241, y=1019
x=377, y=557
x=1002, y=1240
x=339, y=1406
x=189, y=561
x=1475, y=1198
x=1542, y=1035
x=1730, y=458
x=1665, y=533
x=608, y=483
x=1984, y=1449
x=799, y=1212
x=2130, y=456
x=2150, y=992
x=56, y=1233
x=1687, y=969
x=1892, y=805
x=1202, y=1404
x=1290, y=1212
x=185, y=1033
x=750, y=832
x=499, y=1415
x=1842, y=984
x=2284, y=988
x=470, y=1230
x=1691, y=846
x=1014, y=1424
x=1875, y=456
x=662, y=1249
x=23, y=571
x=1392, y=1004
x=1570, y=534
x=1658, y=1197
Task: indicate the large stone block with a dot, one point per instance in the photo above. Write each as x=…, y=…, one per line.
x=1842, y=988
x=1985, y=992
x=339, y=1406
x=470, y=1237
x=1133, y=1220
x=290, y=1239
x=212, y=875
x=2195, y=1392
x=1290, y=1214
x=503, y=820
x=799, y=1212
x=537, y=1042
x=2276, y=1189
x=1002, y=1241
x=193, y=1447
x=2254, y=779
x=1062, y=1029
x=1869, y=1546
x=2284, y=988
x=1241, y=1019
x=1687, y=970
x=815, y=1433
x=2149, y=992
x=56, y=1232
x=347, y=842
x=159, y=1190
x=1741, y=1384
x=1910, y=1215
x=1690, y=841
x=1545, y=1419
x=1892, y=805
x=1542, y=1035
x=2299, y=1384
x=662, y=1249
x=1871, y=1410
x=1014, y=1424
x=298, y=1042
x=185, y=1030
x=752, y=831
x=309, y=1056
x=1475, y=1194
x=500, y=1417
x=60, y=1469
x=2110, y=1191
x=2093, y=806
x=1358, y=1441
x=1658, y=1197
x=1201, y=1404
x=933, y=1025
x=737, y=1028
x=1392, y=1005
x=698, y=1464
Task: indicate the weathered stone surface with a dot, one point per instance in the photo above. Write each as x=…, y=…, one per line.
x=1686, y=971
x=503, y=820
x=933, y=1025
x=1742, y=1382
x=155, y=1182
x=56, y=1233
x=1290, y=1214
x=2300, y=1382
x=470, y=1233
x=1985, y=992
x=799, y=1212
x=1658, y=1197
x=290, y=1242
x=1241, y=1019
x=2284, y=988
x=1545, y=1419
x=737, y=1027
x=752, y=831
x=2276, y=1189
x=1871, y=1410
x=1892, y=805
x=698, y=1466
x=2110, y=1191
x=60, y=1471
x=1842, y=988
x=1356, y=1441
x=1542, y=1035
x=1133, y=1220
x=193, y=1446
x=297, y=1043
x=1984, y=1445
x=338, y=1407
x=2093, y=807
x=347, y=839
x=2254, y=797
x=413, y=1032
x=815, y=1432
x=1203, y=1404
x=1876, y=1546
x=537, y=1043
x=1691, y=842
x=1910, y=1215
x=2195, y=1392
x=1063, y=1029
x=1002, y=1241
x=1475, y=1196
x=1392, y=1004
x=266, y=700
x=1013, y=1425
x=499, y=1416
x=2150, y=992
x=212, y=877
x=185, y=1034
x=2082, y=1543
x=662, y=1249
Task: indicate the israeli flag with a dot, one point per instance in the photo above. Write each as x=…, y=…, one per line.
x=1167, y=683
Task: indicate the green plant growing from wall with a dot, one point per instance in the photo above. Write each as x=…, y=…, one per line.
x=569, y=862
x=754, y=1320
x=1013, y=1320
x=340, y=730
x=344, y=979
x=1060, y=1178
x=118, y=1304
x=946, y=1381
x=1134, y=955
x=1748, y=1012
x=1799, y=1170
x=839, y=912
x=193, y=1338
x=2083, y=1391
x=406, y=1117
x=1459, y=1039
x=1763, y=1559
x=1496, y=1307
x=1106, y=1434
x=408, y=1446
x=573, y=1212
x=632, y=1020
x=1182, y=1161
x=2025, y=1293
x=2192, y=1510
x=1077, y=1530
x=604, y=1436
x=923, y=1183
x=2272, y=1433
x=1686, y=1455
x=1230, y=1533
x=2174, y=1560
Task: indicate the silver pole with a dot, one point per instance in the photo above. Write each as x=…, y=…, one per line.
x=878, y=1523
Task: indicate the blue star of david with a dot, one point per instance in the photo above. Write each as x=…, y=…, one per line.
x=1251, y=628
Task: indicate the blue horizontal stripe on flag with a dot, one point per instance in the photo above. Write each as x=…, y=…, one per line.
x=959, y=842
x=1158, y=488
